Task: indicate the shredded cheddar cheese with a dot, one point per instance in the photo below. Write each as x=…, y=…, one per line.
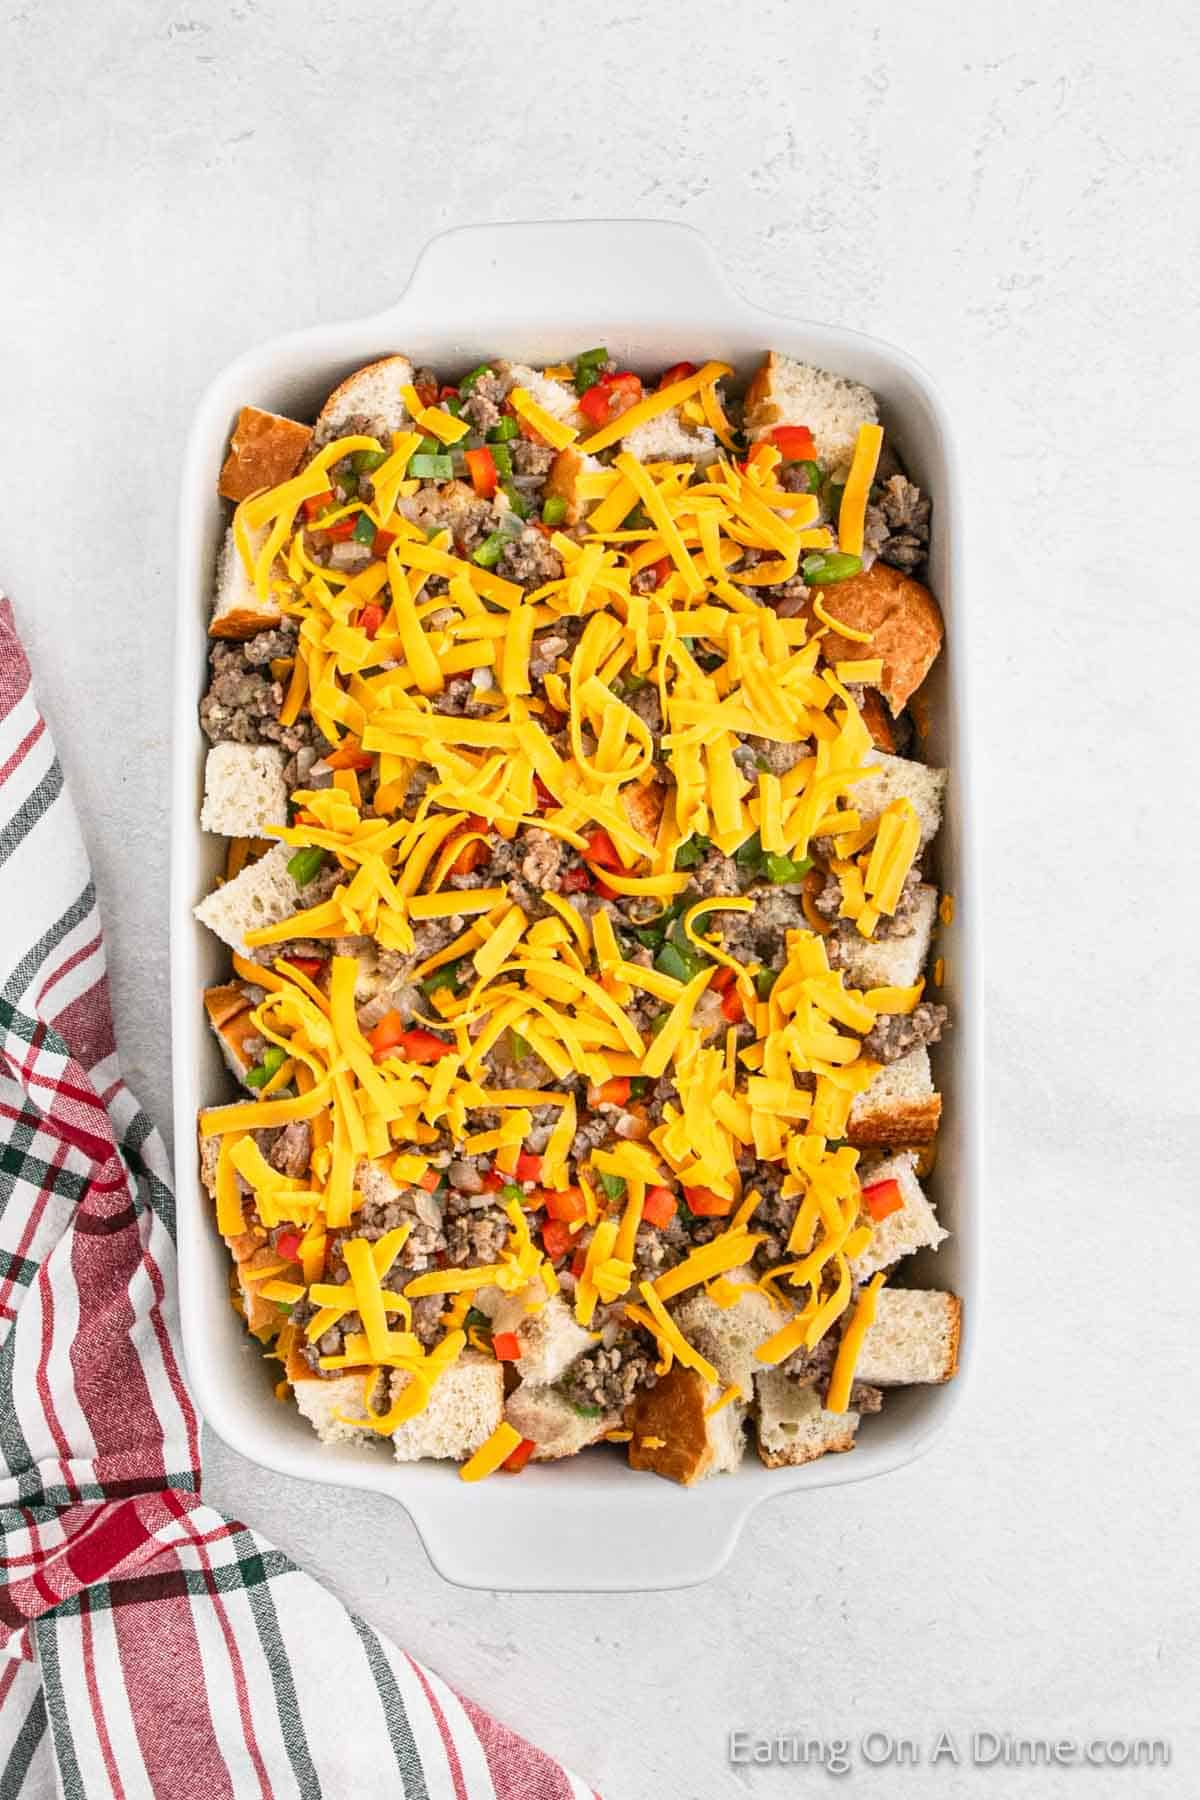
x=631, y=755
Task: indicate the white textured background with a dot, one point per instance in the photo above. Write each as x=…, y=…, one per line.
x=1010, y=192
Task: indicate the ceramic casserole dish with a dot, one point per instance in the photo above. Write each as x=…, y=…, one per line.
x=654, y=294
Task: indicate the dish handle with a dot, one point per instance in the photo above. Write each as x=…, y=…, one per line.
x=622, y=1541
x=571, y=269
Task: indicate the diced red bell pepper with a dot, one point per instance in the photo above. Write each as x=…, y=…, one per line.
x=609, y=398
x=594, y=404
x=529, y=1166
x=705, y=1204
x=600, y=847
x=795, y=443
x=507, y=1346
x=473, y=853
x=371, y=618
x=481, y=466
x=731, y=1006
x=427, y=392
x=381, y=543
x=288, y=1245
x=341, y=529
x=661, y=570
x=677, y=372
x=556, y=1238
x=577, y=1261
x=423, y=1046
x=544, y=797
x=575, y=881
x=493, y=1181
x=513, y=1464
x=605, y=892
x=882, y=1198
x=315, y=505
x=565, y=1204
x=387, y=1034
x=429, y=1180
x=307, y=965
x=659, y=1206
x=722, y=979
x=614, y=1091
x=448, y=393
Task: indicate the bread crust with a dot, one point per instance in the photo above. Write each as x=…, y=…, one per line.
x=955, y=1336
x=875, y=718
x=241, y=623
x=903, y=618
x=901, y=1124
x=673, y=1409
x=334, y=399
x=562, y=483
x=759, y=409
x=644, y=806
x=806, y=1453
x=264, y=450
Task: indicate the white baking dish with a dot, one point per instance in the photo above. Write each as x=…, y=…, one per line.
x=654, y=294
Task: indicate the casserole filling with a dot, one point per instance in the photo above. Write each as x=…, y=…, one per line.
x=566, y=732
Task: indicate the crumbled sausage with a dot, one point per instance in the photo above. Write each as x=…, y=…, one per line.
x=894, y=1035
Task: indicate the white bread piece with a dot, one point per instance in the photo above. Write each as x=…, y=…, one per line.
x=374, y=392
x=899, y=778
x=244, y=790
x=891, y=961
x=262, y=894
x=465, y=1407
x=901, y=1106
x=668, y=439
x=913, y=1337
x=793, y=1426
x=914, y=1226
x=238, y=612
x=322, y=1401
x=544, y=1415
x=786, y=392
x=729, y=1335
x=549, y=1336
x=556, y=397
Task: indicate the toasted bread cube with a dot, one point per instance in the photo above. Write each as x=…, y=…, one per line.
x=264, y=450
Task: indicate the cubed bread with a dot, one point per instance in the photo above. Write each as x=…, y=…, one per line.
x=891, y=961
x=238, y=611
x=901, y=1106
x=244, y=790
x=552, y=1423
x=914, y=1226
x=263, y=894
x=332, y=1407
x=898, y=777
x=913, y=1337
x=465, y=1407
x=793, y=1427
x=728, y=1336
x=554, y=396
x=787, y=392
x=369, y=401
x=904, y=621
x=544, y=1327
x=669, y=438
x=264, y=450
x=677, y=1434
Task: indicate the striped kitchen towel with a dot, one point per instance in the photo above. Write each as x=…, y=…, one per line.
x=149, y=1646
